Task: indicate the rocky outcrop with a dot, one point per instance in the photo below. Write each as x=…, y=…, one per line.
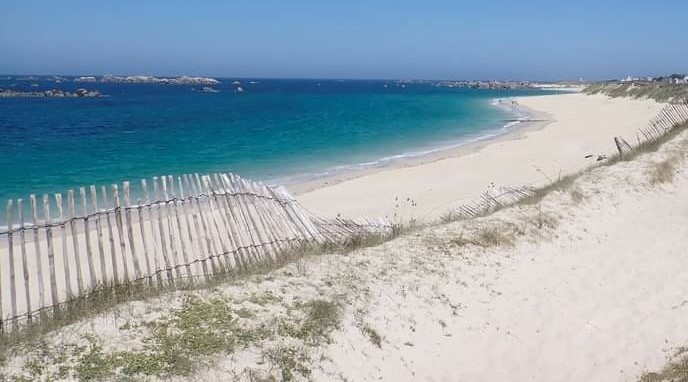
x=52, y=93
x=183, y=80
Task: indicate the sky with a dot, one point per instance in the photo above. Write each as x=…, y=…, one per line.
x=486, y=39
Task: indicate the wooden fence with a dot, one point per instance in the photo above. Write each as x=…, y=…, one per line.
x=671, y=116
x=62, y=247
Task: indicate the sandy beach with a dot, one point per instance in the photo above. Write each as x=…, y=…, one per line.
x=586, y=285
x=577, y=129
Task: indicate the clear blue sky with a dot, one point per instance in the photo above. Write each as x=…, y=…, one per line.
x=518, y=39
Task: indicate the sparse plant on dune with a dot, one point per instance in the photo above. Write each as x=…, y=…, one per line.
x=663, y=172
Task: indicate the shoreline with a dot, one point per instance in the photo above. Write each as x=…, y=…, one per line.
x=529, y=120
x=567, y=134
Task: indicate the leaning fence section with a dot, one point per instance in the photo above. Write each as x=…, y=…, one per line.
x=674, y=114
x=64, y=246
x=671, y=116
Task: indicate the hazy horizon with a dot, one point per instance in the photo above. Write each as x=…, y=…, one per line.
x=532, y=40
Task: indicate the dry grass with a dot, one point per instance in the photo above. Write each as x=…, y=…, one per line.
x=664, y=171
x=493, y=237
x=486, y=236
x=577, y=196
x=661, y=92
x=106, y=298
x=676, y=371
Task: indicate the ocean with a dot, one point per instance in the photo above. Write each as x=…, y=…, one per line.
x=276, y=130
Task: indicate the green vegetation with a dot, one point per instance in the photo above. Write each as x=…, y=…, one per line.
x=105, y=298
x=201, y=329
x=290, y=361
x=659, y=91
x=321, y=319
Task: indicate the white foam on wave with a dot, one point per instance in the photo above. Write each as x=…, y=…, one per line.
x=505, y=104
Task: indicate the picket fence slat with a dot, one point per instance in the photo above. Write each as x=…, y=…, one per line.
x=189, y=229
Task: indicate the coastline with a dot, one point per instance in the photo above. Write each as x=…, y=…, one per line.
x=528, y=120
x=567, y=133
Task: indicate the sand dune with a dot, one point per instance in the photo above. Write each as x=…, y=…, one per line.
x=589, y=284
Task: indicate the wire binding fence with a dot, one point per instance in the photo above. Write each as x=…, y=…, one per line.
x=671, y=116
x=63, y=247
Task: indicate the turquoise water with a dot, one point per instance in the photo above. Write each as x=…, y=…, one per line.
x=276, y=130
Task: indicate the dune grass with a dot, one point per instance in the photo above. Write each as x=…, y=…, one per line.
x=675, y=371
x=658, y=91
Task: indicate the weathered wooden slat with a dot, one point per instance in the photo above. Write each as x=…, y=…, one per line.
x=276, y=214
x=213, y=219
x=37, y=251
x=271, y=232
x=183, y=244
x=236, y=223
x=87, y=238
x=190, y=207
x=65, y=246
x=130, y=230
x=272, y=249
x=153, y=223
x=300, y=218
x=279, y=215
x=249, y=242
x=202, y=208
x=75, y=241
x=25, y=263
x=99, y=233
x=161, y=228
x=206, y=220
x=218, y=207
x=51, y=253
x=144, y=241
x=253, y=228
x=174, y=252
x=120, y=231
x=111, y=239
x=303, y=232
x=13, y=279
x=229, y=221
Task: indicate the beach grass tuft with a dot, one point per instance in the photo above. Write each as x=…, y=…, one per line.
x=663, y=172
x=372, y=334
x=675, y=371
x=658, y=91
x=492, y=237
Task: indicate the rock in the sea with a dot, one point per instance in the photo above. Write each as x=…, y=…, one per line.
x=183, y=80
x=85, y=79
x=52, y=93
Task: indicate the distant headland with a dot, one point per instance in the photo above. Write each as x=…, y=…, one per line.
x=183, y=80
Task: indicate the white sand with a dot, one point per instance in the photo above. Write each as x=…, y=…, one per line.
x=582, y=125
x=593, y=289
x=603, y=297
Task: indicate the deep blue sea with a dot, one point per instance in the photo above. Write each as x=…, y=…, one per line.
x=276, y=130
